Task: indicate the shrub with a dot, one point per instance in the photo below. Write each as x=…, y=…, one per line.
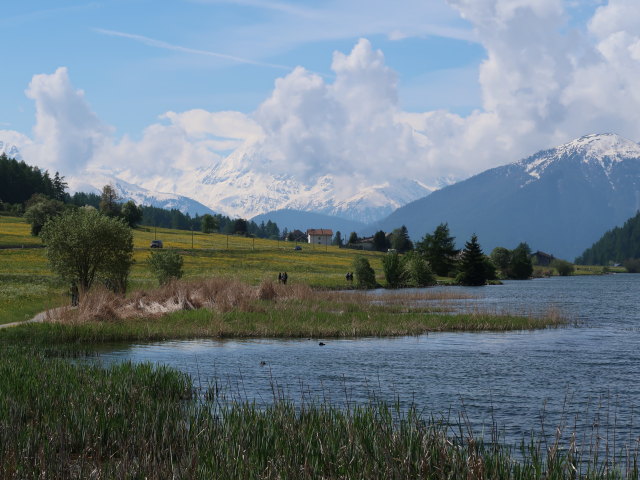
x=166, y=265
x=394, y=272
x=365, y=276
x=632, y=265
x=417, y=271
x=563, y=267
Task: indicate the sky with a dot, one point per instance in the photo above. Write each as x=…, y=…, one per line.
x=437, y=89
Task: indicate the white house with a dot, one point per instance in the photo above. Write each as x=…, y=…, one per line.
x=319, y=236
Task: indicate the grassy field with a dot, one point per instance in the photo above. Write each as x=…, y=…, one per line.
x=28, y=286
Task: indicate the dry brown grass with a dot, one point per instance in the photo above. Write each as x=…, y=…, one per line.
x=221, y=294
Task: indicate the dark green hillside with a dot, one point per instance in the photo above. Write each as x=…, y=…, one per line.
x=616, y=245
x=18, y=181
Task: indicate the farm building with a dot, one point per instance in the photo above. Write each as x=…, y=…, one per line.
x=319, y=236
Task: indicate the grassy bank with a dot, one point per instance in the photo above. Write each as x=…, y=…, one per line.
x=223, y=307
x=66, y=420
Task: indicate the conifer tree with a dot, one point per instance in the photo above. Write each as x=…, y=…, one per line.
x=473, y=271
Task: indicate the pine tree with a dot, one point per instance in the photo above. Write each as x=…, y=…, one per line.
x=472, y=267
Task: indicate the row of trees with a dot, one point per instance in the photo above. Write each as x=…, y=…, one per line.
x=19, y=181
x=436, y=254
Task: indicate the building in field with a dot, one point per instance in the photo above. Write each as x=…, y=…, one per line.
x=319, y=236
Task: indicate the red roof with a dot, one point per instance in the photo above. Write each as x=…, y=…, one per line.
x=320, y=231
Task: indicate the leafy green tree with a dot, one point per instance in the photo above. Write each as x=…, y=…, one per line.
x=131, y=213
x=439, y=250
x=337, y=240
x=166, y=265
x=365, y=275
x=490, y=269
x=380, y=241
x=353, y=238
x=520, y=266
x=472, y=266
x=109, y=205
x=417, y=271
x=41, y=211
x=563, y=267
x=394, y=272
x=208, y=223
x=501, y=258
x=82, y=245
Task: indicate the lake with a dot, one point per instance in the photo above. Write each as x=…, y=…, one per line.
x=585, y=373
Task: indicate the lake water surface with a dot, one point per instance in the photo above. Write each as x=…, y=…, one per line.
x=588, y=372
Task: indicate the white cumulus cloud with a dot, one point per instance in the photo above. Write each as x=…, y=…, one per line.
x=542, y=83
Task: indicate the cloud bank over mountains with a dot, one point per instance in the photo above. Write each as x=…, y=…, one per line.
x=542, y=83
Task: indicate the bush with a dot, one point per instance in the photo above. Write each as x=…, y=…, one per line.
x=393, y=268
x=563, y=267
x=166, y=265
x=365, y=276
x=417, y=271
x=632, y=265
x=41, y=211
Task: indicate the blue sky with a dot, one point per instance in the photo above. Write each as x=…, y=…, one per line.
x=131, y=79
x=443, y=89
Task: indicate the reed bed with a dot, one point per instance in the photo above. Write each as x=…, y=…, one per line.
x=60, y=419
x=223, y=308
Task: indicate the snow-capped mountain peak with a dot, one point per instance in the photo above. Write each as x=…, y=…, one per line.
x=603, y=150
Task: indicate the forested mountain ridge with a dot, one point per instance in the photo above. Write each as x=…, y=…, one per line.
x=616, y=246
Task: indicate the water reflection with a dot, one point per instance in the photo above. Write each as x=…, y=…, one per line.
x=520, y=380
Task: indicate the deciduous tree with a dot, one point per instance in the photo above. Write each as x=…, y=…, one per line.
x=82, y=245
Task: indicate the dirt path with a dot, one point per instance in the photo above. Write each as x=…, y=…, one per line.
x=40, y=317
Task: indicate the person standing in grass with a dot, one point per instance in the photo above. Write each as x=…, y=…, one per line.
x=285, y=277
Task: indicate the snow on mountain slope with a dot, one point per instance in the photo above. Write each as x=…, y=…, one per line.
x=559, y=200
x=92, y=182
x=237, y=188
x=604, y=150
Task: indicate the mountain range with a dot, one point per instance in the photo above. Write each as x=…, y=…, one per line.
x=559, y=200
x=241, y=186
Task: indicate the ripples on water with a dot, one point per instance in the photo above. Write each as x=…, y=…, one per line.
x=521, y=380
